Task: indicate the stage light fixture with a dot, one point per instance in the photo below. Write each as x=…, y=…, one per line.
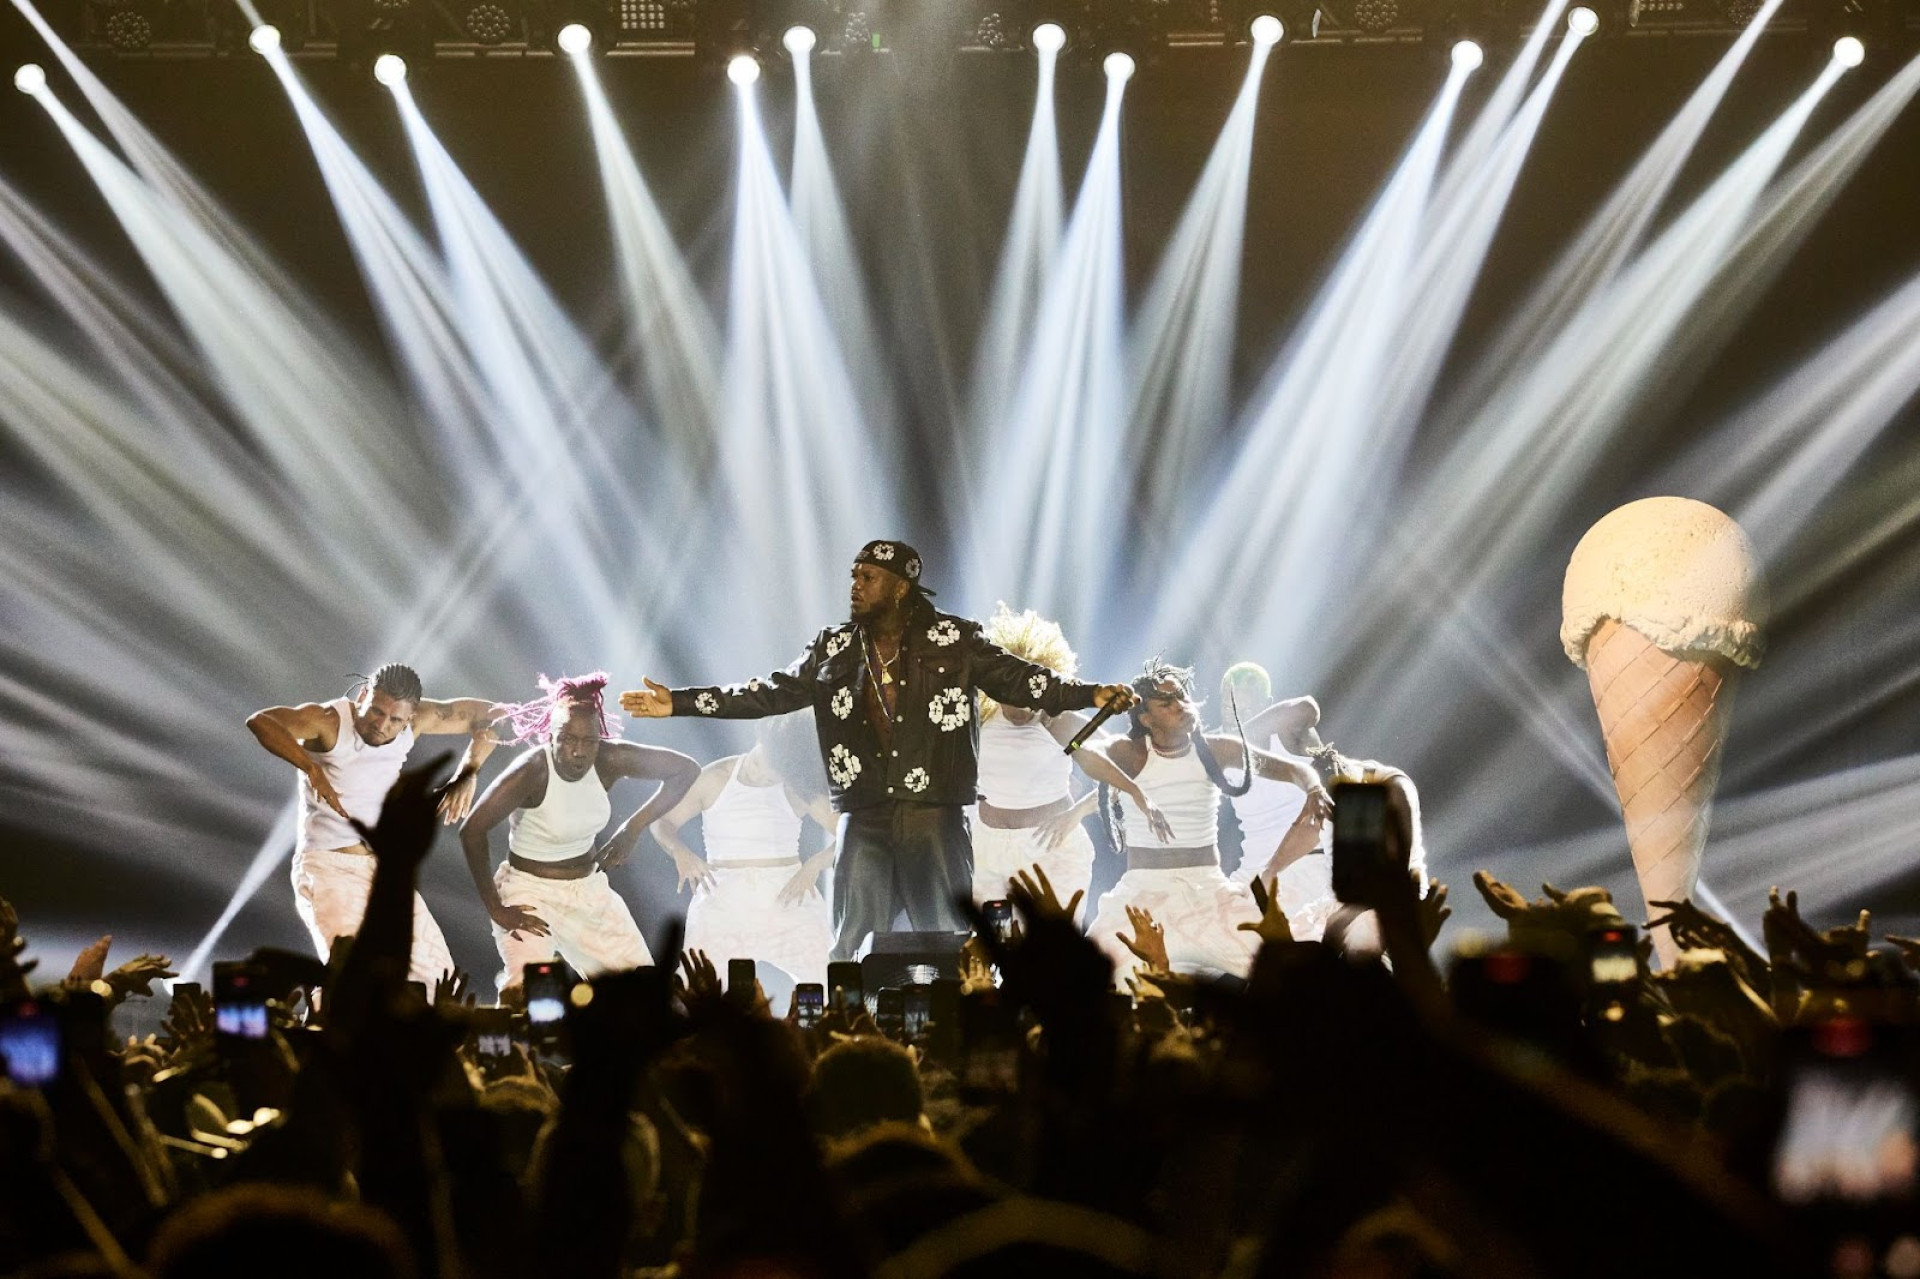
x=128, y=30
x=856, y=32
x=1266, y=30
x=744, y=69
x=30, y=79
x=264, y=39
x=1049, y=37
x=390, y=69
x=1467, y=54
x=1849, y=51
x=574, y=39
x=1118, y=66
x=1583, y=21
x=800, y=40
x=488, y=23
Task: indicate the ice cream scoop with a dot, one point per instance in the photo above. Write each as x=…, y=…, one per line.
x=1663, y=606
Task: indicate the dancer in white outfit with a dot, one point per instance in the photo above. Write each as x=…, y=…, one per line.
x=1179, y=881
x=754, y=898
x=349, y=752
x=1027, y=814
x=1266, y=812
x=551, y=897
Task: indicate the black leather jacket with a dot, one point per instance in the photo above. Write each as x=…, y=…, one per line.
x=933, y=758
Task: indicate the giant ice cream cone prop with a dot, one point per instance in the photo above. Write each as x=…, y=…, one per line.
x=1663, y=606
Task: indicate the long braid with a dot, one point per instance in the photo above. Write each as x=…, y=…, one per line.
x=1212, y=765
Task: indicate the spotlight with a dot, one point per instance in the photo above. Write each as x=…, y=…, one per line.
x=799, y=40
x=1049, y=37
x=575, y=39
x=1583, y=21
x=264, y=39
x=390, y=69
x=1266, y=30
x=1849, y=51
x=1118, y=66
x=743, y=70
x=30, y=78
x=1467, y=55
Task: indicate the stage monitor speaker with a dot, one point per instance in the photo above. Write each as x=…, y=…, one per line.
x=900, y=959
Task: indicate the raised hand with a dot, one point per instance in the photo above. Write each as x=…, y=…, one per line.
x=1033, y=893
x=405, y=832
x=976, y=968
x=187, y=1029
x=137, y=975
x=1149, y=941
x=13, y=973
x=90, y=965
x=1272, y=926
x=1503, y=899
x=653, y=702
x=452, y=990
x=1909, y=948
x=701, y=979
x=1434, y=912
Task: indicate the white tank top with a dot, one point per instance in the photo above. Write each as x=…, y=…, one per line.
x=1184, y=792
x=360, y=774
x=566, y=823
x=750, y=823
x=1268, y=808
x=1021, y=765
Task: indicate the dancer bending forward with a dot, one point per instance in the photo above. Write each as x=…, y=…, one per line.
x=1027, y=813
x=1179, y=881
x=551, y=897
x=753, y=896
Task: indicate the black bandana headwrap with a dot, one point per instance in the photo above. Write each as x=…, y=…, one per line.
x=896, y=557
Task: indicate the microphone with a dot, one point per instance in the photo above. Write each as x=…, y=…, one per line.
x=1100, y=717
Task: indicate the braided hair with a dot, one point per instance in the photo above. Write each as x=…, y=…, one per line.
x=397, y=681
x=533, y=721
x=1146, y=684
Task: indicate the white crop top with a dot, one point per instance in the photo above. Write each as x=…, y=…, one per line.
x=566, y=823
x=750, y=823
x=1268, y=808
x=1182, y=790
x=1021, y=765
x=360, y=774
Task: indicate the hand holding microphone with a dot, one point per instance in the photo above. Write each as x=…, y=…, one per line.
x=1111, y=699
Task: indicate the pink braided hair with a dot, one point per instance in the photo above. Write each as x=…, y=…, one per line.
x=533, y=721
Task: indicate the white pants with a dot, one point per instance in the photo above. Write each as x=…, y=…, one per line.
x=999, y=854
x=739, y=916
x=330, y=889
x=588, y=925
x=1200, y=909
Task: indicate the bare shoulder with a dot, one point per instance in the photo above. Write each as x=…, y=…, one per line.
x=1128, y=755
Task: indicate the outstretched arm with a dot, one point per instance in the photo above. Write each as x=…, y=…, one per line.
x=284, y=731
x=521, y=786
x=474, y=716
x=1287, y=719
x=712, y=780
x=1101, y=770
x=676, y=774
x=780, y=693
x=1226, y=751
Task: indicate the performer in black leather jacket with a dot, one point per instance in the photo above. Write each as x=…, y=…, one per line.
x=892, y=691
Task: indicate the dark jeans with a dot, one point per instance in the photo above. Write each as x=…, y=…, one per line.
x=892, y=856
